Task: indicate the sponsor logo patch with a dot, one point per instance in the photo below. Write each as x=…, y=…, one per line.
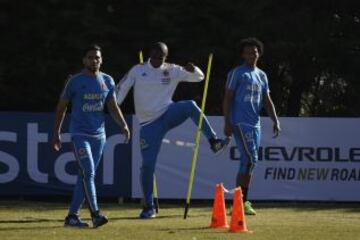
x=93, y=96
x=143, y=143
x=96, y=107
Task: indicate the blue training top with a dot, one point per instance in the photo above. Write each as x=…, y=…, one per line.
x=249, y=86
x=88, y=96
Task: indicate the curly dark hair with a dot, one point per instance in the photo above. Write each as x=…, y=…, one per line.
x=251, y=42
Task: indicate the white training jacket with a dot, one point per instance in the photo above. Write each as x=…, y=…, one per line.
x=154, y=88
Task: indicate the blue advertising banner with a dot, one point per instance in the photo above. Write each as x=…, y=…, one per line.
x=314, y=159
x=29, y=166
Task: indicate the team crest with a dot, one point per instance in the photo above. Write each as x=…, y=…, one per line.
x=82, y=153
x=249, y=137
x=143, y=143
x=166, y=79
x=166, y=73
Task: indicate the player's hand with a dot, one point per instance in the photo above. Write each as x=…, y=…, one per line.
x=228, y=129
x=56, y=142
x=126, y=132
x=190, y=67
x=276, y=129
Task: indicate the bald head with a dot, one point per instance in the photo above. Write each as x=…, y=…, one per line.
x=158, y=53
x=159, y=47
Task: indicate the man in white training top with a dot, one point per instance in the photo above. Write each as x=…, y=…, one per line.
x=154, y=84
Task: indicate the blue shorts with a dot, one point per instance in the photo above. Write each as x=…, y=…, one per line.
x=248, y=141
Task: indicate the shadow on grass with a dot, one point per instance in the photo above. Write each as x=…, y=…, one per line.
x=199, y=207
x=185, y=229
x=194, y=229
x=34, y=220
x=345, y=207
x=29, y=228
x=137, y=218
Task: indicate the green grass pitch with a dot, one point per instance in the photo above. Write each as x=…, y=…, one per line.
x=44, y=221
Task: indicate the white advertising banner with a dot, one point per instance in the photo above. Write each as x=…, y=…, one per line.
x=315, y=159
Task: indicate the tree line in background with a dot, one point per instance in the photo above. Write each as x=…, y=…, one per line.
x=312, y=48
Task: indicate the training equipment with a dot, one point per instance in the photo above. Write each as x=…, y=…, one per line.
x=141, y=57
x=218, y=219
x=238, y=224
x=197, y=140
x=155, y=189
x=156, y=196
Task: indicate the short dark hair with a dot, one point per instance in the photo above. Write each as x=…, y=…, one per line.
x=92, y=47
x=252, y=42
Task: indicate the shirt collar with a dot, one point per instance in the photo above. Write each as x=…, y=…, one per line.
x=249, y=68
x=84, y=72
x=151, y=66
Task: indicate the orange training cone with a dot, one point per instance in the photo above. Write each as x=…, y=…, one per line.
x=237, y=223
x=218, y=219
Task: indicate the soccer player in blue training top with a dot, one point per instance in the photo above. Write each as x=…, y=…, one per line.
x=154, y=85
x=247, y=90
x=88, y=92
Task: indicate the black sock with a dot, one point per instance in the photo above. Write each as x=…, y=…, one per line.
x=95, y=214
x=73, y=215
x=242, y=180
x=245, y=193
x=211, y=140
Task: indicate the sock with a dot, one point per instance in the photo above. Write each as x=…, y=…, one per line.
x=95, y=214
x=241, y=180
x=211, y=140
x=72, y=215
x=245, y=193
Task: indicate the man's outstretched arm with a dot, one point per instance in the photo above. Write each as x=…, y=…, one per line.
x=190, y=73
x=123, y=87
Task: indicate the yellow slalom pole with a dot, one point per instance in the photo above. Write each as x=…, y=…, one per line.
x=198, y=135
x=156, y=196
x=141, y=57
x=155, y=189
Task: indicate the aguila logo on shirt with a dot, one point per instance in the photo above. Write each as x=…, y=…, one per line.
x=166, y=79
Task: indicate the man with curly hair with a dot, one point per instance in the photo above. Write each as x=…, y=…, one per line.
x=247, y=91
